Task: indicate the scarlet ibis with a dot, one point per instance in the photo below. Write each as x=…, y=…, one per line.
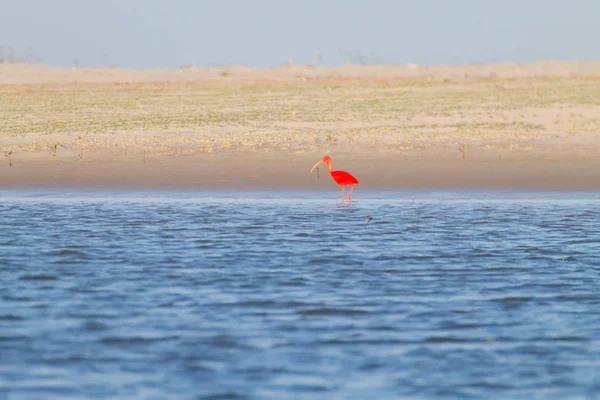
x=342, y=178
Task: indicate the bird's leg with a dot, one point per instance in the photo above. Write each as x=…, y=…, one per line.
x=342, y=194
x=350, y=194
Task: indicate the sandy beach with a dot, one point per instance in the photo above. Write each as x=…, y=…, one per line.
x=526, y=126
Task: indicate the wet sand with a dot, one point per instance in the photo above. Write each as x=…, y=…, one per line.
x=509, y=126
x=285, y=171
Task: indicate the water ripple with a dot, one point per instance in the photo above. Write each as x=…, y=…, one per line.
x=265, y=295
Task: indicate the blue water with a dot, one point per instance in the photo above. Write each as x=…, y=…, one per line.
x=289, y=295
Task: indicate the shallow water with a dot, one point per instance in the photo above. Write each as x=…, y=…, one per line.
x=267, y=296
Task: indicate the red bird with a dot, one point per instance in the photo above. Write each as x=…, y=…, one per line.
x=342, y=178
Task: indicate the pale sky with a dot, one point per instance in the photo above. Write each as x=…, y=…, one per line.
x=170, y=34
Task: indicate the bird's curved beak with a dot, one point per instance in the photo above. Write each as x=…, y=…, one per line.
x=316, y=165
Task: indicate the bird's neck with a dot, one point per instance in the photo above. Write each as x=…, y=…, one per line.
x=329, y=166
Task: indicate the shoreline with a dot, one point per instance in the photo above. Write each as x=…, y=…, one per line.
x=284, y=171
x=502, y=126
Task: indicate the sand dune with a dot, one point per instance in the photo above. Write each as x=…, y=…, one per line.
x=15, y=74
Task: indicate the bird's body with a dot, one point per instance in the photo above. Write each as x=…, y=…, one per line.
x=342, y=178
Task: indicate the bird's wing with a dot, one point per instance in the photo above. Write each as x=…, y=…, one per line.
x=343, y=178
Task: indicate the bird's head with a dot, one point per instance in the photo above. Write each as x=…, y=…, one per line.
x=325, y=159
